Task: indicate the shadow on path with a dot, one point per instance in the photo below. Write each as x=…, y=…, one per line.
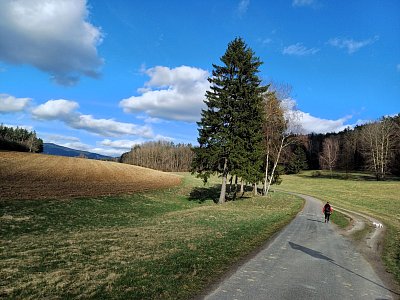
x=319, y=255
x=315, y=220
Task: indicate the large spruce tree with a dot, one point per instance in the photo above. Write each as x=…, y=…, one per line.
x=230, y=130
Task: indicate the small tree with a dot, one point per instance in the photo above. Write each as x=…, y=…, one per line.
x=330, y=153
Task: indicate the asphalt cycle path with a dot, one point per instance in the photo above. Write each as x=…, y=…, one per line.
x=309, y=259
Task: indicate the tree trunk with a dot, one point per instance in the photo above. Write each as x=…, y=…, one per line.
x=242, y=188
x=275, y=164
x=255, y=189
x=235, y=190
x=266, y=176
x=223, y=187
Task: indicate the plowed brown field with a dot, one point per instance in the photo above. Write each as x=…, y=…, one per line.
x=40, y=176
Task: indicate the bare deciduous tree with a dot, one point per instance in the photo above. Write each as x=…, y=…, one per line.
x=280, y=128
x=379, y=141
x=330, y=153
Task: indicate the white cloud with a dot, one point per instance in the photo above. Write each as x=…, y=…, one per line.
x=243, y=6
x=27, y=127
x=174, y=94
x=57, y=138
x=313, y=124
x=11, y=104
x=55, y=109
x=117, y=147
x=109, y=127
x=65, y=110
x=351, y=45
x=303, y=2
x=51, y=35
x=299, y=49
x=303, y=122
x=122, y=144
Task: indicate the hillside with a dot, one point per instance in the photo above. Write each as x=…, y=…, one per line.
x=40, y=176
x=53, y=149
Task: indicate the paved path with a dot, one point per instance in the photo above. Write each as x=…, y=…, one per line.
x=307, y=260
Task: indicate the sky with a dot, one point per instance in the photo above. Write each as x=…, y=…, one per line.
x=103, y=76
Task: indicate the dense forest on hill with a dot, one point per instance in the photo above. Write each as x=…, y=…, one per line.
x=19, y=139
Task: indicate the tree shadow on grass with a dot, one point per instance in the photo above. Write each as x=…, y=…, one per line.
x=203, y=194
x=346, y=176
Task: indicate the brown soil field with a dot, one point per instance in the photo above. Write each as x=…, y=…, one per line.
x=40, y=176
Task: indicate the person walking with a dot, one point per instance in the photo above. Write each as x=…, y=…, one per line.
x=327, y=210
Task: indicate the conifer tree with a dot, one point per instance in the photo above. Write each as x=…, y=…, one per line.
x=230, y=129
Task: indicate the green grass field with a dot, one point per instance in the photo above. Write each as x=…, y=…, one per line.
x=360, y=193
x=166, y=244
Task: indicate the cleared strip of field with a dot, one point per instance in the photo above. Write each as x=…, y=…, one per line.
x=39, y=176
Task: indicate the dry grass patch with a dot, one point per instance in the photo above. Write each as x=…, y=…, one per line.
x=39, y=176
x=153, y=245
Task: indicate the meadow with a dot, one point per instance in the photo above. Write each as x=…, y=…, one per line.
x=168, y=243
x=358, y=192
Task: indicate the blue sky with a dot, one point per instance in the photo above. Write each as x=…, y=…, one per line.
x=103, y=75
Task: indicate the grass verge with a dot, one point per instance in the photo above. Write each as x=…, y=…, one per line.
x=359, y=193
x=340, y=219
x=164, y=244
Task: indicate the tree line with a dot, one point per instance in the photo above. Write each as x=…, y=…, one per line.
x=160, y=155
x=373, y=147
x=19, y=139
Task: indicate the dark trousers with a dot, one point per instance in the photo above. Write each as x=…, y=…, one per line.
x=327, y=215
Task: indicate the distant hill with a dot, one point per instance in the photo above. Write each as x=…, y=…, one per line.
x=53, y=149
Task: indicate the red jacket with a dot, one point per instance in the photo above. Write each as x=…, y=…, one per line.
x=327, y=208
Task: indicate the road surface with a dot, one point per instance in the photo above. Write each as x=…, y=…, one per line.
x=307, y=260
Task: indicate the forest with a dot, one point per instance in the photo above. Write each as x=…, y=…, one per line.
x=349, y=150
x=19, y=139
x=160, y=155
x=373, y=147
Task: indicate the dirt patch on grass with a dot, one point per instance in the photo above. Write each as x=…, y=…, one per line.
x=40, y=176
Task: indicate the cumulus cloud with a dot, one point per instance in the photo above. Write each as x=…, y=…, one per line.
x=122, y=144
x=174, y=94
x=303, y=122
x=66, y=111
x=11, y=104
x=56, y=109
x=51, y=35
x=351, y=45
x=109, y=127
x=27, y=127
x=313, y=124
x=299, y=49
x=58, y=138
x=117, y=147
